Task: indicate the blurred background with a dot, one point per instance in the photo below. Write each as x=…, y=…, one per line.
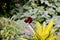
x=13, y=14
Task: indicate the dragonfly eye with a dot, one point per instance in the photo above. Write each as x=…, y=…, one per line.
x=28, y=20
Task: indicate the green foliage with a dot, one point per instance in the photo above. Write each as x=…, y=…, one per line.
x=10, y=7
x=5, y=7
x=41, y=10
x=9, y=29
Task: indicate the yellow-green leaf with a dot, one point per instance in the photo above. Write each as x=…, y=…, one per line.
x=39, y=28
x=49, y=26
x=58, y=36
x=51, y=37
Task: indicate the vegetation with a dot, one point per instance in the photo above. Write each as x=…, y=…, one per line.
x=45, y=33
x=27, y=20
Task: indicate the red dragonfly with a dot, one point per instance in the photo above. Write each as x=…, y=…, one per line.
x=28, y=20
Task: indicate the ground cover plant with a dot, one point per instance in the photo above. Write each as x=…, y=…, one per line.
x=30, y=20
